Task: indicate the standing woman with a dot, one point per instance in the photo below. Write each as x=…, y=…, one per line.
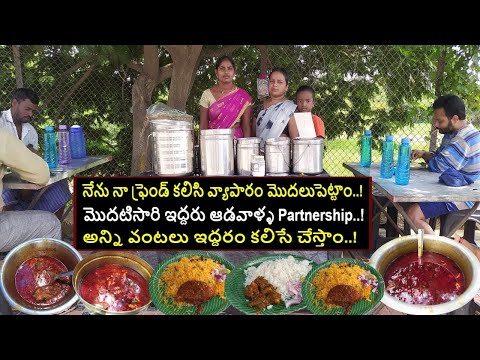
x=273, y=119
x=226, y=106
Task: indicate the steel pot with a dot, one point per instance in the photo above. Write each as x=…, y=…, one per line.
x=277, y=156
x=54, y=248
x=308, y=156
x=216, y=152
x=170, y=147
x=97, y=259
x=246, y=147
x=462, y=256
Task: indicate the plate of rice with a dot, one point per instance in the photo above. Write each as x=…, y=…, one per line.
x=279, y=274
x=202, y=269
x=342, y=286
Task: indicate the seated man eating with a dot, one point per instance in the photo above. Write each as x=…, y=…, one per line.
x=459, y=151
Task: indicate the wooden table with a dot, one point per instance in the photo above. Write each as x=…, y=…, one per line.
x=12, y=181
x=423, y=187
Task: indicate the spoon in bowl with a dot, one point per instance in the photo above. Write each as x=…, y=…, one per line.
x=55, y=277
x=49, y=290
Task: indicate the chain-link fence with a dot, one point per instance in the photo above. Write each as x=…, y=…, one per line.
x=72, y=91
x=357, y=88
x=384, y=88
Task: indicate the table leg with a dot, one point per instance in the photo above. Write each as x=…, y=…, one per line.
x=36, y=198
x=389, y=218
x=405, y=217
x=463, y=220
x=65, y=212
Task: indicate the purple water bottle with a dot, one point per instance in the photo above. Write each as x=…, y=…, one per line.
x=77, y=142
x=64, y=156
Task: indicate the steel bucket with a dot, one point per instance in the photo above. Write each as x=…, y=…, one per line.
x=277, y=156
x=246, y=147
x=308, y=156
x=216, y=152
x=171, y=147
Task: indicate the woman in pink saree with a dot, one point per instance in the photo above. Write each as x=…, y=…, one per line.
x=226, y=106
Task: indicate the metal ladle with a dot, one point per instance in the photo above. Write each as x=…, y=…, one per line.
x=53, y=278
x=420, y=245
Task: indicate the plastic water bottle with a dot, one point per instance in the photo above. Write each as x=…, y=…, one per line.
x=366, y=149
x=50, y=154
x=402, y=173
x=386, y=166
x=64, y=155
x=77, y=142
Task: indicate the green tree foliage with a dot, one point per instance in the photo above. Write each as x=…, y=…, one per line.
x=382, y=87
x=100, y=103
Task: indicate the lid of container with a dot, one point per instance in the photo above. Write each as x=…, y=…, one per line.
x=368, y=132
x=278, y=141
x=75, y=128
x=389, y=138
x=405, y=141
x=248, y=141
x=62, y=127
x=166, y=125
x=307, y=141
x=49, y=128
x=162, y=111
x=254, y=157
x=207, y=132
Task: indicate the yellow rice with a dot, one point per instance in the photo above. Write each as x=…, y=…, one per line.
x=339, y=274
x=191, y=268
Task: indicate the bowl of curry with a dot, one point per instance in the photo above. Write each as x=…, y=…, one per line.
x=446, y=278
x=27, y=276
x=113, y=283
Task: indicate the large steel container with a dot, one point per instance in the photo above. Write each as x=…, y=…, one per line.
x=246, y=147
x=277, y=156
x=170, y=145
x=54, y=248
x=99, y=258
x=216, y=152
x=307, y=156
x=457, y=252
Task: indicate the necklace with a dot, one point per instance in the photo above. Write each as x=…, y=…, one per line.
x=226, y=90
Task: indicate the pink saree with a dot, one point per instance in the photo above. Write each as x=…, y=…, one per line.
x=227, y=111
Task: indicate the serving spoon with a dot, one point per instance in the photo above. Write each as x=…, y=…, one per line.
x=39, y=292
x=420, y=245
x=55, y=277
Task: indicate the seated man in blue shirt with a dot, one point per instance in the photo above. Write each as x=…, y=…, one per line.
x=460, y=150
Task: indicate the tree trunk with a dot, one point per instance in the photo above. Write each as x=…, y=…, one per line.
x=438, y=92
x=185, y=63
x=263, y=58
x=141, y=99
x=18, y=65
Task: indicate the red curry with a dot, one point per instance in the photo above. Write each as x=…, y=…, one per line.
x=115, y=288
x=36, y=274
x=437, y=280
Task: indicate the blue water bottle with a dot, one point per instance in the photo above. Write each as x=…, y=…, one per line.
x=402, y=173
x=50, y=154
x=386, y=166
x=366, y=149
x=77, y=142
x=64, y=155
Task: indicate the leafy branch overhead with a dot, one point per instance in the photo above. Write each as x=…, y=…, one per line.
x=109, y=87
